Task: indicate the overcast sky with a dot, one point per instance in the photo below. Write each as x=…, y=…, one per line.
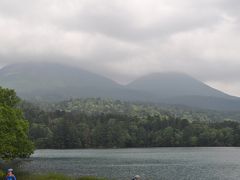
x=125, y=39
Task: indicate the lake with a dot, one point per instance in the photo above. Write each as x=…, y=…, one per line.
x=150, y=163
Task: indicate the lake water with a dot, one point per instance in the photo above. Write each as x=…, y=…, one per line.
x=149, y=163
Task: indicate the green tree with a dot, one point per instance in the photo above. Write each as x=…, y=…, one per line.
x=14, y=141
x=41, y=134
x=168, y=136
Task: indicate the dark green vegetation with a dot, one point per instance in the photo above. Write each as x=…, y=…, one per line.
x=55, y=82
x=14, y=141
x=55, y=177
x=52, y=176
x=97, y=123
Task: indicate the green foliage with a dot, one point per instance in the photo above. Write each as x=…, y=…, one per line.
x=2, y=174
x=8, y=97
x=44, y=177
x=90, y=178
x=54, y=176
x=98, y=123
x=14, y=141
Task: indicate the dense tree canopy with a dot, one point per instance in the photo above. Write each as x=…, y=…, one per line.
x=98, y=123
x=14, y=141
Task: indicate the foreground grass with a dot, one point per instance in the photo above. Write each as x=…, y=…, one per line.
x=55, y=177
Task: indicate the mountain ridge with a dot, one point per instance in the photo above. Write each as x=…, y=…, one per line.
x=56, y=82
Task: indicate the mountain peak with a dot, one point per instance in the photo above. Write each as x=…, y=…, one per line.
x=172, y=84
x=39, y=79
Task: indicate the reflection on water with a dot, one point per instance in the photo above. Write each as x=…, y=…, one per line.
x=149, y=163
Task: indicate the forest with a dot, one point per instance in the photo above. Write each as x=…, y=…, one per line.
x=106, y=123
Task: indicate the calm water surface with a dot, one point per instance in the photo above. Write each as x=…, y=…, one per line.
x=149, y=163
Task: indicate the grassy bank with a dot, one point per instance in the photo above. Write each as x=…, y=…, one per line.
x=54, y=177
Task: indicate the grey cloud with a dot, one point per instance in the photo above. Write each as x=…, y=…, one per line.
x=231, y=6
x=119, y=23
x=125, y=39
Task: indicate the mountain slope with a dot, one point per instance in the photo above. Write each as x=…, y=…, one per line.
x=55, y=82
x=181, y=89
x=50, y=75
x=170, y=85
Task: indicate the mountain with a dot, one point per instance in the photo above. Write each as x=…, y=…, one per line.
x=57, y=82
x=170, y=85
x=177, y=88
x=54, y=82
x=49, y=76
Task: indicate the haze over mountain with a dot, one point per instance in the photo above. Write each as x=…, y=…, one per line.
x=56, y=82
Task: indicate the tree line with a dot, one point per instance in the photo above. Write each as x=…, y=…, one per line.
x=97, y=123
